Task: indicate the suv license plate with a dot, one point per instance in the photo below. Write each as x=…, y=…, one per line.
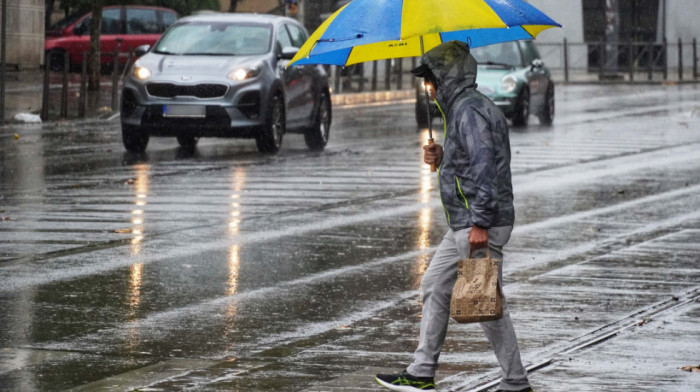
x=184, y=111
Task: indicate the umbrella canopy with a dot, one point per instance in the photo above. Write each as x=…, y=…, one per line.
x=366, y=30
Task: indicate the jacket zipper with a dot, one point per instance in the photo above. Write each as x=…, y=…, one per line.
x=444, y=137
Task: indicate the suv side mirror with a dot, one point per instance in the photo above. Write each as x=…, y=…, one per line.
x=537, y=63
x=288, y=53
x=141, y=50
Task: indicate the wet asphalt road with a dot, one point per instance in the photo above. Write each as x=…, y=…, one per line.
x=224, y=269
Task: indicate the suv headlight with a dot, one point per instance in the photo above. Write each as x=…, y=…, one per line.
x=140, y=72
x=244, y=73
x=508, y=84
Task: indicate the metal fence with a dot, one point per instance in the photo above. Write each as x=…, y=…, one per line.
x=622, y=62
x=590, y=62
x=116, y=70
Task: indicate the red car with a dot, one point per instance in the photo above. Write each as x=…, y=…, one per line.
x=125, y=27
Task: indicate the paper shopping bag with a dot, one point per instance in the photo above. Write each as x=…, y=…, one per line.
x=476, y=296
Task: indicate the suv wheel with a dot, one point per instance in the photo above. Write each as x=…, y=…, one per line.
x=269, y=139
x=317, y=136
x=188, y=142
x=547, y=115
x=522, y=109
x=135, y=140
x=54, y=58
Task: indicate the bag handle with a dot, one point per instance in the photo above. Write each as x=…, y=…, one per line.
x=488, y=252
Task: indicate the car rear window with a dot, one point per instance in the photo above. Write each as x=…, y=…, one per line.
x=216, y=38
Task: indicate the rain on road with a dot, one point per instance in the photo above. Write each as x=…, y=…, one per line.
x=224, y=269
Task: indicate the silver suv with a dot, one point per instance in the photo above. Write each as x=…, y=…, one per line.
x=224, y=75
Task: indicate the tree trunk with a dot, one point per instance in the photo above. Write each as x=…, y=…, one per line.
x=94, y=53
x=232, y=7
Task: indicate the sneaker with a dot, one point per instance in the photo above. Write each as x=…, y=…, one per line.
x=528, y=389
x=405, y=382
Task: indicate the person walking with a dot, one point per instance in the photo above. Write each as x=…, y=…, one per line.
x=476, y=191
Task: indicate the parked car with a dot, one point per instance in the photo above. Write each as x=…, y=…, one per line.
x=123, y=27
x=514, y=77
x=224, y=75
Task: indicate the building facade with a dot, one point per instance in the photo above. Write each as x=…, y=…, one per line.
x=625, y=28
x=24, y=45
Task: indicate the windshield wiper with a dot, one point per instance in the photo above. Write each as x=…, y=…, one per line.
x=165, y=52
x=498, y=64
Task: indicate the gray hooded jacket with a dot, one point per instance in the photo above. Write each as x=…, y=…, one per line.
x=474, y=176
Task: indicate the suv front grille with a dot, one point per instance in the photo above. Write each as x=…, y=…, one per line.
x=169, y=90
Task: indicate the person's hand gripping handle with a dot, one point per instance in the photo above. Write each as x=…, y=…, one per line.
x=431, y=142
x=432, y=154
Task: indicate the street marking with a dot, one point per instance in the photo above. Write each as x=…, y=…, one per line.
x=160, y=371
x=600, y=335
x=213, y=305
x=22, y=276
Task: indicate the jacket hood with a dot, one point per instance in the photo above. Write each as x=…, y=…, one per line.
x=454, y=68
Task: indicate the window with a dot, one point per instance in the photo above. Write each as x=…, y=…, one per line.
x=111, y=21
x=142, y=21
x=168, y=19
x=216, y=38
x=506, y=53
x=529, y=52
x=283, y=39
x=298, y=35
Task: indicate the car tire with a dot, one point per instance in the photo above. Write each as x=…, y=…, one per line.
x=422, y=117
x=522, y=109
x=134, y=139
x=269, y=139
x=54, y=58
x=316, y=137
x=186, y=141
x=547, y=115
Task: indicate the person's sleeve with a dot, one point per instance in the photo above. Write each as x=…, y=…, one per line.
x=477, y=139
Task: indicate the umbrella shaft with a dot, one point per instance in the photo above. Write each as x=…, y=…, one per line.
x=430, y=118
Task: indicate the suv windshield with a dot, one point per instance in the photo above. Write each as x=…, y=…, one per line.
x=215, y=39
x=504, y=54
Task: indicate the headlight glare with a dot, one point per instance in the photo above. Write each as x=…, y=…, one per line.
x=508, y=84
x=244, y=73
x=141, y=73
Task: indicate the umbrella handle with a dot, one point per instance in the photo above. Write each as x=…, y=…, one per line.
x=430, y=119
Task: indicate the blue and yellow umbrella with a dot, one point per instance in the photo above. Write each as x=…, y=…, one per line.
x=367, y=30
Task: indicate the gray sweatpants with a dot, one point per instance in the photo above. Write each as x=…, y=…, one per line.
x=437, y=285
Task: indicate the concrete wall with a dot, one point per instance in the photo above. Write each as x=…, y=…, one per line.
x=681, y=22
x=550, y=41
x=25, y=33
x=569, y=16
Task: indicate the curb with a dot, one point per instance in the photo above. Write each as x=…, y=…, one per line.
x=338, y=100
x=371, y=97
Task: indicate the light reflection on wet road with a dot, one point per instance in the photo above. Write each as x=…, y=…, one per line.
x=226, y=269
